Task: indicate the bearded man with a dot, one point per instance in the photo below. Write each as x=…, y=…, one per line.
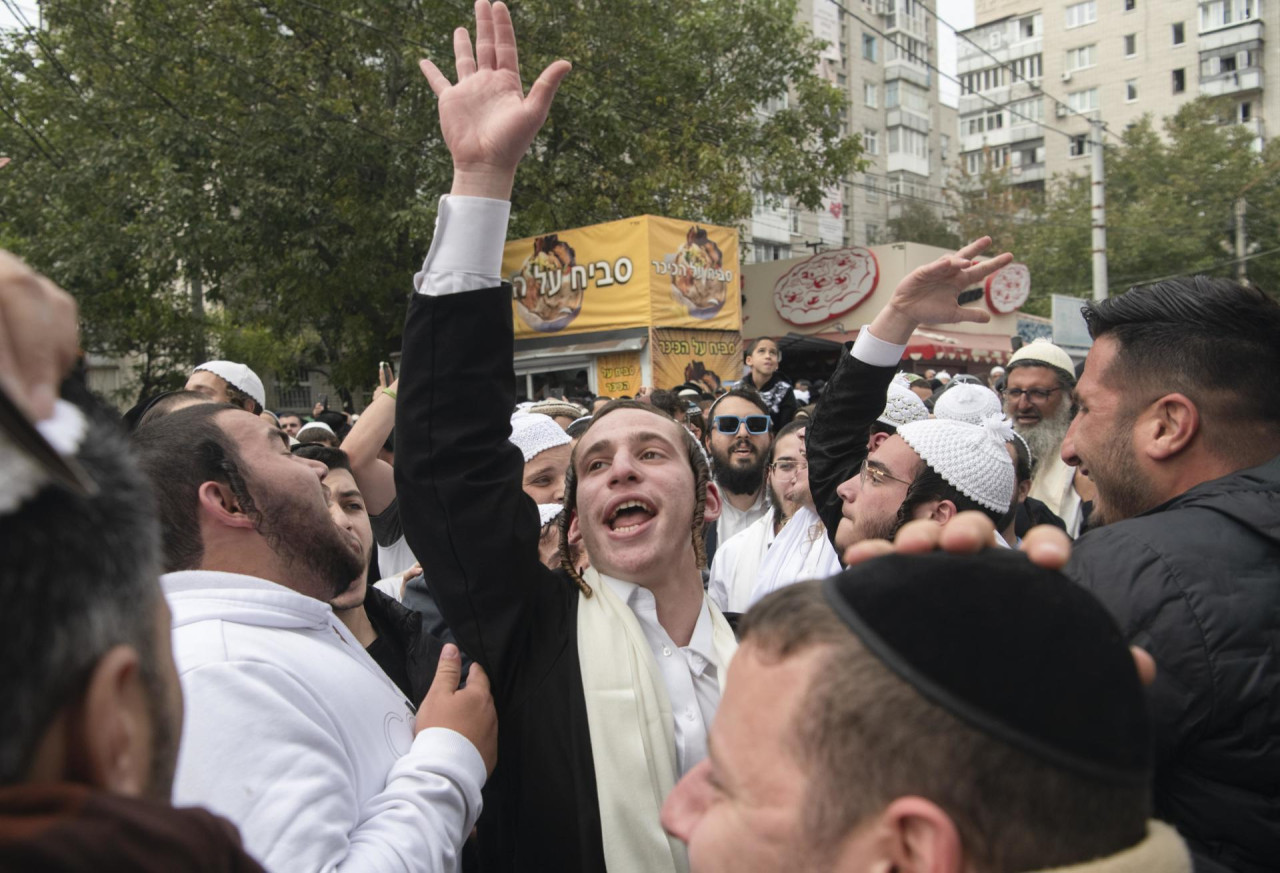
x=1037, y=398
x=738, y=444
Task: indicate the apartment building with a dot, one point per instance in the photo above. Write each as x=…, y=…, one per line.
x=1117, y=59
x=882, y=55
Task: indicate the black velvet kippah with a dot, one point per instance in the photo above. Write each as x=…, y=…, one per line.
x=1018, y=652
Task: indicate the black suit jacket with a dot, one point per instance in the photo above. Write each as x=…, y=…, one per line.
x=836, y=440
x=476, y=532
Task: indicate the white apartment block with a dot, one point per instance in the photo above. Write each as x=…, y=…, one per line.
x=882, y=55
x=1117, y=59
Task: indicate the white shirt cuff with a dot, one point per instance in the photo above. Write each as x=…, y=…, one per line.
x=875, y=351
x=466, y=251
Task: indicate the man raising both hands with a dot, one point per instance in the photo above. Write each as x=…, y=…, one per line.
x=605, y=683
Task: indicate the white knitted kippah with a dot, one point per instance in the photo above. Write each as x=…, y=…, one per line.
x=317, y=425
x=549, y=512
x=967, y=402
x=1041, y=351
x=239, y=376
x=902, y=405
x=534, y=433
x=972, y=457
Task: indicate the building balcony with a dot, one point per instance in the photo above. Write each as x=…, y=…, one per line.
x=911, y=72
x=1026, y=174
x=904, y=162
x=1229, y=35
x=1231, y=83
x=906, y=118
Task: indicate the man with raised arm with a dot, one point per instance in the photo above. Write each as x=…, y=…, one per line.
x=604, y=682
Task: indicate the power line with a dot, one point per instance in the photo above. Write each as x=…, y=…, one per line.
x=1227, y=263
x=1008, y=65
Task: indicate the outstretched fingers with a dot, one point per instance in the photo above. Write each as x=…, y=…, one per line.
x=463, y=60
x=437, y=80
x=544, y=89
x=983, y=269
x=504, y=38
x=486, y=53
x=978, y=246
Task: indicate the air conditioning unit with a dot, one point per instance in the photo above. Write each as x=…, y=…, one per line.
x=1066, y=75
x=1062, y=110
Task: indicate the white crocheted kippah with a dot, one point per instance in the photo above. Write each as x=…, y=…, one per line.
x=317, y=425
x=534, y=433
x=549, y=512
x=972, y=457
x=968, y=403
x=902, y=406
x=23, y=478
x=239, y=376
x=1041, y=351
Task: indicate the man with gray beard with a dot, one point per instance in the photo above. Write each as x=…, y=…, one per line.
x=1037, y=397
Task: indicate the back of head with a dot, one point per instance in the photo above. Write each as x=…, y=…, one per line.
x=997, y=690
x=79, y=578
x=1213, y=340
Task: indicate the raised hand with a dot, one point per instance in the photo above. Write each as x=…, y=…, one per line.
x=928, y=294
x=487, y=121
x=39, y=337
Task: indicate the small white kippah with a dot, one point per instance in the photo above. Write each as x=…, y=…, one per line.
x=318, y=425
x=967, y=402
x=22, y=477
x=972, y=457
x=549, y=512
x=239, y=376
x=534, y=433
x=902, y=405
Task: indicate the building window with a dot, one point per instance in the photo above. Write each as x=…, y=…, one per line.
x=1179, y=33
x=1130, y=5
x=869, y=94
x=1079, y=145
x=1083, y=101
x=944, y=143
x=1245, y=113
x=873, y=190
x=1130, y=90
x=871, y=141
x=1080, y=58
x=974, y=126
x=1220, y=13
x=891, y=94
x=870, y=49
x=1130, y=45
x=1027, y=27
x=1179, y=81
x=973, y=163
x=872, y=232
x=995, y=120
x=1079, y=14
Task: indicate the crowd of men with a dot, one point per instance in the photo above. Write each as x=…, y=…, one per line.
x=912, y=629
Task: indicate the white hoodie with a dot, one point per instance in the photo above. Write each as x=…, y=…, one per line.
x=295, y=734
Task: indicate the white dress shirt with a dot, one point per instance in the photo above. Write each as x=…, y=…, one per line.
x=734, y=521
x=466, y=255
x=689, y=672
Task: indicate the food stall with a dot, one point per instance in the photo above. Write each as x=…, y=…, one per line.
x=813, y=305
x=607, y=308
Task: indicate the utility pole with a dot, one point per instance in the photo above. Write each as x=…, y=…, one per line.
x=1242, y=249
x=1098, y=204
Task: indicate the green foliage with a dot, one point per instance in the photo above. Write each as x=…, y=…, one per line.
x=920, y=223
x=282, y=157
x=1170, y=202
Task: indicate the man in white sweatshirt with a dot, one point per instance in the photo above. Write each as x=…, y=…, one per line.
x=292, y=731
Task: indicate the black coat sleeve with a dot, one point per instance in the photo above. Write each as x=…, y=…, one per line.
x=458, y=483
x=836, y=441
x=786, y=409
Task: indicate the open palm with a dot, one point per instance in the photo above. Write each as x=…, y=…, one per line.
x=487, y=121
x=928, y=294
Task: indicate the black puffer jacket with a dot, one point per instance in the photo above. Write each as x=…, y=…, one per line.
x=1196, y=582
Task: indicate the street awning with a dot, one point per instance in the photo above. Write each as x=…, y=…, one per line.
x=926, y=344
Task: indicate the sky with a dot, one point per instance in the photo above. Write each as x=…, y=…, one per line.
x=958, y=13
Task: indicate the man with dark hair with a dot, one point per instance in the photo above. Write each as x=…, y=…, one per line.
x=291, y=423
x=738, y=442
x=866, y=487
x=229, y=382
x=864, y=727
x=293, y=731
x=393, y=635
x=93, y=708
x=604, y=680
x=1183, y=446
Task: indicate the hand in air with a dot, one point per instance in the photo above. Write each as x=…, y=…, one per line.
x=487, y=121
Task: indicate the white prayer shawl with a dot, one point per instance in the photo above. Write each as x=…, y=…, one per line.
x=736, y=565
x=800, y=552
x=630, y=720
x=1055, y=487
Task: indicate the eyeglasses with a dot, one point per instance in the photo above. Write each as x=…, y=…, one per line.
x=871, y=474
x=787, y=466
x=729, y=424
x=1035, y=395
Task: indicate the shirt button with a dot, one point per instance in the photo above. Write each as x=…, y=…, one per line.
x=690, y=715
x=666, y=650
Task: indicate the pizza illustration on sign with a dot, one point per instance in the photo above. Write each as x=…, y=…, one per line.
x=1008, y=289
x=826, y=285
